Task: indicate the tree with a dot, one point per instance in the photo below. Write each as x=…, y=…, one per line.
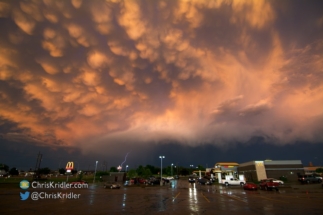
x=61, y=171
x=132, y=173
x=14, y=171
x=319, y=170
x=146, y=173
x=4, y=167
x=140, y=170
x=200, y=167
x=80, y=176
x=113, y=169
x=152, y=169
x=44, y=171
x=101, y=173
x=143, y=171
x=184, y=171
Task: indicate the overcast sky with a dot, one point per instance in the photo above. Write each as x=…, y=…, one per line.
x=89, y=80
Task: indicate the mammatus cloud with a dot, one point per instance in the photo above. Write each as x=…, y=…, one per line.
x=75, y=73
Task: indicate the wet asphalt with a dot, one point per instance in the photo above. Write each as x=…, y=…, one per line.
x=179, y=197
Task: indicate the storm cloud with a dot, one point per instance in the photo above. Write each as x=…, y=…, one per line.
x=104, y=73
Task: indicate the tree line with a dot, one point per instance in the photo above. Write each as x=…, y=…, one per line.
x=140, y=171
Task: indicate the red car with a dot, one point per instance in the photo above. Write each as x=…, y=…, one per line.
x=268, y=184
x=250, y=186
x=138, y=181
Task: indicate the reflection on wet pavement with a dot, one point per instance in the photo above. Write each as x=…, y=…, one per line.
x=91, y=194
x=193, y=202
x=124, y=200
x=179, y=197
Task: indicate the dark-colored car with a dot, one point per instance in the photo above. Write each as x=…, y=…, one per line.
x=268, y=184
x=112, y=186
x=204, y=181
x=306, y=179
x=250, y=186
x=210, y=178
x=153, y=181
x=191, y=179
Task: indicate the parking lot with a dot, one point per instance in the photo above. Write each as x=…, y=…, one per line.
x=180, y=197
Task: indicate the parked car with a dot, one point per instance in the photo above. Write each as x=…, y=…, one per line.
x=309, y=179
x=276, y=180
x=318, y=176
x=138, y=181
x=268, y=184
x=112, y=186
x=165, y=180
x=210, y=178
x=153, y=181
x=204, y=181
x=233, y=181
x=250, y=186
x=142, y=181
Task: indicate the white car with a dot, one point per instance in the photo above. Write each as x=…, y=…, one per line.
x=170, y=178
x=276, y=181
x=233, y=181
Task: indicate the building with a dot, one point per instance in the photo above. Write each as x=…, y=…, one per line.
x=114, y=177
x=221, y=169
x=311, y=169
x=257, y=170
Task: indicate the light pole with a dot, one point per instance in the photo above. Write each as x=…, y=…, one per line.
x=127, y=168
x=161, y=169
x=96, y=165
x=172, y=170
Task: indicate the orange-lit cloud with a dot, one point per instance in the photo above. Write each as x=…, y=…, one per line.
x=81, y=73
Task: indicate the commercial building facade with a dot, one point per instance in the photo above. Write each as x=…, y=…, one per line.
x=257, y=170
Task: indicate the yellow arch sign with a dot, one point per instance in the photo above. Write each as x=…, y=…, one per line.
x=70, y=165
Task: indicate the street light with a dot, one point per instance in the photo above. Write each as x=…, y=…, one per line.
x=127, y=168
x=96, y=165
x=172, y=169
x=161, y=169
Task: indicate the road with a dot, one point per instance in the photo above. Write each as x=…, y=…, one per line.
x=178, y=198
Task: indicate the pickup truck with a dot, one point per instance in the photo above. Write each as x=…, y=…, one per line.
x=309, y=179
x=233, y=181
x=268, y=184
